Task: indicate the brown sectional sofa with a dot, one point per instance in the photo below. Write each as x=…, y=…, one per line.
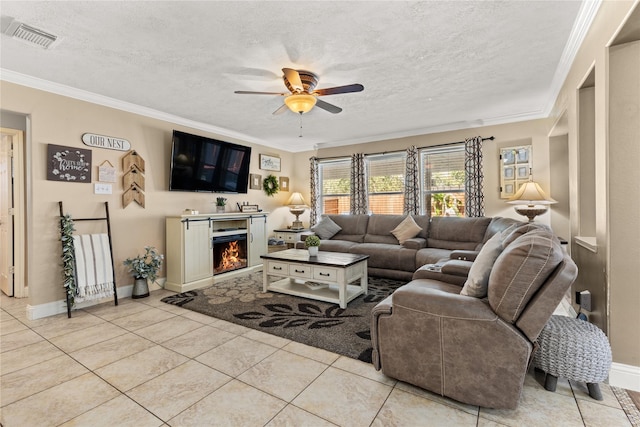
x=439, y=238
x=473, y=349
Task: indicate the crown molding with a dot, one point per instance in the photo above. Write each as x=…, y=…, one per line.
x=586, y=15
x=83, y=95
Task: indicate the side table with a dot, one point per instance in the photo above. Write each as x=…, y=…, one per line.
x=573, y=349
x=290, y=236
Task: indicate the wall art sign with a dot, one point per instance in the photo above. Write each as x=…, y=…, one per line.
x=269, y=163
x=108, y=142
x=106, y=172
x=68, y=164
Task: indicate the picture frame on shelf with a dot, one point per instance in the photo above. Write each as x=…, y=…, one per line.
x=270, y=163
x=249, y=208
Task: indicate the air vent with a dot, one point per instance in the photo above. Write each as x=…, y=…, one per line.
x=31, y=35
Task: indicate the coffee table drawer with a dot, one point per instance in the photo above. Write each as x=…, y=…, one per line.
x=303, y=271
x=278, y=267
x=325, y=273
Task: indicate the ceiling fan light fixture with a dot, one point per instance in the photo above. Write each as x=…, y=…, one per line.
x=300, y=102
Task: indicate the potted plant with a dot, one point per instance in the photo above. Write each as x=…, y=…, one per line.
x=220, y=204
x=142, y=268
x=312, y=243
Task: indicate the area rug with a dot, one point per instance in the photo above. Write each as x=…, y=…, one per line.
x=324, y=325
x=629, y=401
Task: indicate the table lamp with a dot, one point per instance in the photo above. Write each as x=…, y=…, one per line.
x=297, y=206
x=531, y=201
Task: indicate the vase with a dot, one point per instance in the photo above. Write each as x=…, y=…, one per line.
x=140, y=288
x=313, y=251
x=220, y=209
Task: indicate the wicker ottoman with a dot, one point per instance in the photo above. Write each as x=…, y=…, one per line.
x=573, y=349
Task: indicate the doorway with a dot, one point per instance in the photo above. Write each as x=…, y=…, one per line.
x=12, y=214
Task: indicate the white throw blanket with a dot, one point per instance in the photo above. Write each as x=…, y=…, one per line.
x=94, y=271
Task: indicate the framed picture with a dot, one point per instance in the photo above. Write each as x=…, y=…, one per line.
x=284, y=183
x=508, y=172
x=249, y=208
x=523, y=172
x=255, y=181
x=514, y=169
x=68, y=164
x=269, y=163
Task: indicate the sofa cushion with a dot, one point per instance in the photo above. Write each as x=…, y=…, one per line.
x=457, y=233
x=406, y=230
x=478, y=279
x=519, y=272
x=383, y=255
x=353, y=227
x=499, y=224
x=334, y=245
x=380, y=227
x=326, y=228
x=431, y=256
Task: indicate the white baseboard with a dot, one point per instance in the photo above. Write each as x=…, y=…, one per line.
x=625, y=376
x=58, y=307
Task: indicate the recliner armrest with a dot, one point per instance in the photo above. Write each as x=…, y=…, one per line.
x=464, y=255
x=418, y=297
x=457, y=267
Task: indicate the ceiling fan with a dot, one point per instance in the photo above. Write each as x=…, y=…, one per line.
x=303, y=94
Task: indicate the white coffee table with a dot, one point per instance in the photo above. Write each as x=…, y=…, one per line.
x=329, y=277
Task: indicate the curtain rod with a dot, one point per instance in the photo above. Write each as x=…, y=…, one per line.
x=491, y=138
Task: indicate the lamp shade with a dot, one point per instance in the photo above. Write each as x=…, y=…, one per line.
x=296, y=199
x=300, y=102
x=530, y=193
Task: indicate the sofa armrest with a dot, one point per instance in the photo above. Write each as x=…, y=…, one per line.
x=464, y=255
x=457, y=267
x=415, y=243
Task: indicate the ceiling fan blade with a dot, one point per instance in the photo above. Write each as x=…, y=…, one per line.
x=339, y=89
x=280, y=110
x=294, y=78
x=248, y=92
x=328, y=107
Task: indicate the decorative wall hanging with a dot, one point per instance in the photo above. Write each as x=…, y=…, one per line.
x=284, y=183
x=270, y=185
x=133, y=179
x=68, y=164
x=269, y=163
x=106, y=172
x=255, y=181
x=108, y=142
x=515, y=163
x=131, y=194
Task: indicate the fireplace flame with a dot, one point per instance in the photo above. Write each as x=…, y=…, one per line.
x=231, y=257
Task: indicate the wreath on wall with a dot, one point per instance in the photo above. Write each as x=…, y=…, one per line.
x=270, y=185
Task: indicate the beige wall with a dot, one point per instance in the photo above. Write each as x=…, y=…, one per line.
x=60, y=120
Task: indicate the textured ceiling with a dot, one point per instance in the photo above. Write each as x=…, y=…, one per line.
x=426, y=66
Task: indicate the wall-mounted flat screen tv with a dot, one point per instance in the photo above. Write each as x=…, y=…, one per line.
x=208, y=165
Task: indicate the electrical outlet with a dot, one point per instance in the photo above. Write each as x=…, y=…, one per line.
x=583, y=299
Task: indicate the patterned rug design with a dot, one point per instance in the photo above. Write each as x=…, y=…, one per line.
x=324, y=325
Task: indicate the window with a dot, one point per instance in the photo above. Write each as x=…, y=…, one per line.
x=335, y=186
x=442, y=178
x=385, y=173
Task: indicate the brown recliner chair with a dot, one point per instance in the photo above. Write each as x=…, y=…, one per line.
x=476, y=351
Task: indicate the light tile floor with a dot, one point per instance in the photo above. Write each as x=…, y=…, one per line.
x=146, y=363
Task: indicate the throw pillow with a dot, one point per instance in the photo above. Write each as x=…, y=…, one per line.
x=478, y=279
x=406, y=230
x=326, y=228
